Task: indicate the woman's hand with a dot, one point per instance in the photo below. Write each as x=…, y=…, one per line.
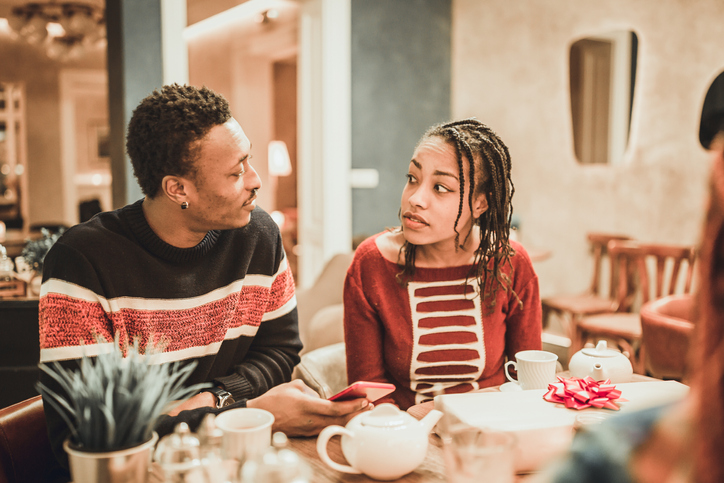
x=299, y=411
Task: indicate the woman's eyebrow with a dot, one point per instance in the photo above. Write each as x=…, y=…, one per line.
x=437, y=171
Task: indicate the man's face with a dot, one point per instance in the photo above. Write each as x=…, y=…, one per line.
x=223, y=191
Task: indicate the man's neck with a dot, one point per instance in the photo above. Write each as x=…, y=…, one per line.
x=168, y=223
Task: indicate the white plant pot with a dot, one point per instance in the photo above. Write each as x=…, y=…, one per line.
x=129, y=465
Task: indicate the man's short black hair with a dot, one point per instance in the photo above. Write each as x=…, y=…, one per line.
x=164, y=129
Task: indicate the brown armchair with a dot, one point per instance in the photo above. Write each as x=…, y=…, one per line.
x=25, y=453
x=666, y=331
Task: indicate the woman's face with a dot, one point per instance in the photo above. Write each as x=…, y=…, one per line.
x=431, y=198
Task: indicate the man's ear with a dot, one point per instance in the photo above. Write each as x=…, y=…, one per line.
x=175, y=188
x=480, y=205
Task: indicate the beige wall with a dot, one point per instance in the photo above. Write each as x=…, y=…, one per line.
x=510, y=69
x=24, y=64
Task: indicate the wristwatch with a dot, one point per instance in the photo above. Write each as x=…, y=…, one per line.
x=223, y=397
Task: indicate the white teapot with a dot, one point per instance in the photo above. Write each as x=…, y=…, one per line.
x=384, y=443
x=601, y=363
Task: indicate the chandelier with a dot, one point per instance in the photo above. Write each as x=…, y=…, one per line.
x=64, y=29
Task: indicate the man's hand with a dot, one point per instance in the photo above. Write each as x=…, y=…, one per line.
x=299, y=411
x=201, y=400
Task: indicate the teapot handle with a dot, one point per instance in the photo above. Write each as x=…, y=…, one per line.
x=322, y=441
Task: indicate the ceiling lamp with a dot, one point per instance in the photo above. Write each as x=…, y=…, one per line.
x=65, y=29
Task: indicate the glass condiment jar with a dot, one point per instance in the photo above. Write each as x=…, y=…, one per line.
x=178, y=454
x=278, y=464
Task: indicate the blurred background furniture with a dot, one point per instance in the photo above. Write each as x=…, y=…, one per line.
x=324, y=369
x=642, y=272
x=593, y=301
x=320, y=305
x=25, y=453
x=560, y=312
x=19, y=350
x=666, y=330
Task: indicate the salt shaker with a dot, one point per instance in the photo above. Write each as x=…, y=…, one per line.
x=214, y=467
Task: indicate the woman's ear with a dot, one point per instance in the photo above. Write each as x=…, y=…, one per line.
x=480, y=205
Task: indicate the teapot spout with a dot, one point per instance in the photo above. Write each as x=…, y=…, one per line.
x=429, y=421
x=597, y=372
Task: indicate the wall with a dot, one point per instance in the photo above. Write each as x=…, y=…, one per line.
x=25, y=64
x=510, y=69
x=400, y=87
x=237, y=61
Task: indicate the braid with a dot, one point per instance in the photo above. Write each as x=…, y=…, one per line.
x=477, y=143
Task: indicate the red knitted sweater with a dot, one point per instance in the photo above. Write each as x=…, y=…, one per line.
x=430, y=332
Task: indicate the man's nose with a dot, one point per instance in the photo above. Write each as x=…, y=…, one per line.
x=253, y=181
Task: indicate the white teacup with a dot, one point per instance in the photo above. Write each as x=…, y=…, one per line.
x=247, y=432
x=536, y=369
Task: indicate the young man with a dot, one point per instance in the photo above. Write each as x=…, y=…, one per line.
x=194, y=263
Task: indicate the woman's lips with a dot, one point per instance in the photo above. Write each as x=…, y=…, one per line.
x=413, y=220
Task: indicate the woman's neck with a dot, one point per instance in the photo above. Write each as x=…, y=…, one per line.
x=448, y=255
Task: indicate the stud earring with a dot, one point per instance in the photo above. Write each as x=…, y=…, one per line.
x=184, y=205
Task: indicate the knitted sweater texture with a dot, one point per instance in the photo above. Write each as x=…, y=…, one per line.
x=436, y=333
x=228, y=304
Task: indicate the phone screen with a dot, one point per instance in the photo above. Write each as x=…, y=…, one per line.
x=369, y=390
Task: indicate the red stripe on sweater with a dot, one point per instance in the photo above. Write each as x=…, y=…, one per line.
x=449, y=338
x=444, y=290
x=450, y=369
x=445, y=306
x=433, y=322
x=444, y=355
x=181, y=329
x=282, y=290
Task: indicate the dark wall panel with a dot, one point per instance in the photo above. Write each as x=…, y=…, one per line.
x=400, y=86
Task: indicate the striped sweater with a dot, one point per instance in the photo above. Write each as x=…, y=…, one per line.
x=227, y=303
x=431, y=332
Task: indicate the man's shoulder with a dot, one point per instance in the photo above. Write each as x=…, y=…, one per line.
x=102, y=228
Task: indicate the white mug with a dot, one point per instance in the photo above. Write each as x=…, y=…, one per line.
x=536, y=369
x=247, y=432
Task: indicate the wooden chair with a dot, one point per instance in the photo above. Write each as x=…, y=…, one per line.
x=573, y=306
x=630, y=262
x=666, y=330
x=25, y=453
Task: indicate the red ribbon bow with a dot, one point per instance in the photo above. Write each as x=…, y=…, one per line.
x=584, y=393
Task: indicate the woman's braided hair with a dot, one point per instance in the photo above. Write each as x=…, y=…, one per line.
x=489, y=166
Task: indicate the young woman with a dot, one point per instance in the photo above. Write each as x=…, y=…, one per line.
x=439, y=303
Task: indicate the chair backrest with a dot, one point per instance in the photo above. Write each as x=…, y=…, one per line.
x=630, y=265
x=599, y=244
x=25, y=453
x=667, y=327
x=19, y=350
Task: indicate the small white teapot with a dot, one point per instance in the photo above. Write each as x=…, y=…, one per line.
x=601, y=363
x=384, y=443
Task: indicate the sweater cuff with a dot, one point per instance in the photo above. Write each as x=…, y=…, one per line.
x=238, y=386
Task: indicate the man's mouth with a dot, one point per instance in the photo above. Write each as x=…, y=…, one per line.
x=250, y=201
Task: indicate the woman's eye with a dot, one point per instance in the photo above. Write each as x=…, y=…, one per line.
x=442, y=189
x=410, y=178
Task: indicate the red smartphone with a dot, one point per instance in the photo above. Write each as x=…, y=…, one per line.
x=369, y=390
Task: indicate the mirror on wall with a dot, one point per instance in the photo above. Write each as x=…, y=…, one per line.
x=712, y=112
x=602, y=71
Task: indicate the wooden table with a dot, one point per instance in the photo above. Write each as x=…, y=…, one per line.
x=431, y=470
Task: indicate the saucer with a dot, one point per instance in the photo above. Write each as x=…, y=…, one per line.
x=510, y=387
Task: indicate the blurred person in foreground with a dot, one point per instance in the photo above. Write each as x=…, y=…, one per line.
x=682, y=442
x=195, y=264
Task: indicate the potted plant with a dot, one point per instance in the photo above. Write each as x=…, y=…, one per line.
x=111, y=404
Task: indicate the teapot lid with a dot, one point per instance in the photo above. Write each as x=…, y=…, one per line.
x=601, y=350
x=385, y=416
